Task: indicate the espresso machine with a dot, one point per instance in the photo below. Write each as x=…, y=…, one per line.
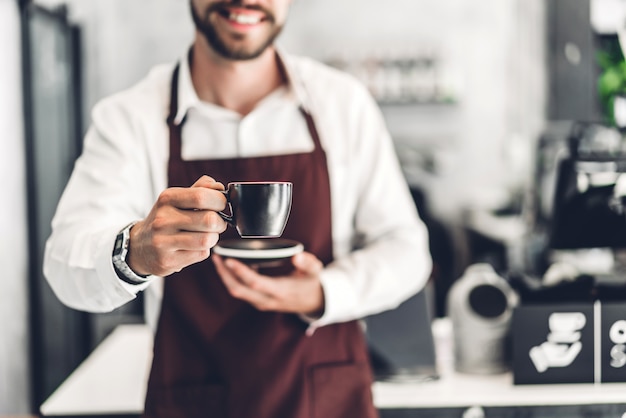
x=578, y=210
x=590, y=191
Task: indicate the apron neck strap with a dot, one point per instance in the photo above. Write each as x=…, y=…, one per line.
x=176, y=129
x=173, y=97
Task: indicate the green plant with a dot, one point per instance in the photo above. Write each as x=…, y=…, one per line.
x=612, y=80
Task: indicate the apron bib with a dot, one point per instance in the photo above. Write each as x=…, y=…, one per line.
x=216, y=356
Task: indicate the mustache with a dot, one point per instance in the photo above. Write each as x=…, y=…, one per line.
x=223, y=6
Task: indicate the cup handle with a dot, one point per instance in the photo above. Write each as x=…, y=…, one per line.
x=228, y=218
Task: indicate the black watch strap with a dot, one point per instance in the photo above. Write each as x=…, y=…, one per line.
x=128, y=280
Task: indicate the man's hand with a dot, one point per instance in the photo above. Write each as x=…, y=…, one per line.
x=180, y=230
x=300, y=292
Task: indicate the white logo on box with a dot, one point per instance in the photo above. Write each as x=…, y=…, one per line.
x=563, y=343
x=617, y=334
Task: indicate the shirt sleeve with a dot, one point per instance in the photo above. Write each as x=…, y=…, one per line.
x=109, y=187
x=390, y=259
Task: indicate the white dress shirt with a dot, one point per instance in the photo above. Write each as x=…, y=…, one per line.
x=380, y=245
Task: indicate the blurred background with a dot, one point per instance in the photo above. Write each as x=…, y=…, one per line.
x=472, y=92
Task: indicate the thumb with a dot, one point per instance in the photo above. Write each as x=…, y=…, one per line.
x=307, y=263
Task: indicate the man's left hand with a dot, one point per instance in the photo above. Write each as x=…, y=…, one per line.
x=300, y=292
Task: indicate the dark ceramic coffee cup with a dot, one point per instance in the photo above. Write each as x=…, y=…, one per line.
x=258, y=209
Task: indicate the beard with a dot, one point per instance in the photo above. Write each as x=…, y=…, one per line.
x=221, y=45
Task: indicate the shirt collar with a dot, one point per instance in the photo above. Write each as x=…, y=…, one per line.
x=294, y=79
x=188, y=98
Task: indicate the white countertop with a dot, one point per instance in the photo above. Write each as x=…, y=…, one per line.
x=113, y=380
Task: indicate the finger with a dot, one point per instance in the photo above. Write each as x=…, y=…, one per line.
x=307, y=263
x=169, y=220
x=191, y=241
x=251, y=278
x=174, y=261
x=236, y=288
x=199, y=198
x=201, y=221
x=208, y=182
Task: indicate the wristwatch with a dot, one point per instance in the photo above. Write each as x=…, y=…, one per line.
x=120, y=252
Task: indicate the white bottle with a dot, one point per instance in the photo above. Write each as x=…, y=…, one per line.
x=480, y=306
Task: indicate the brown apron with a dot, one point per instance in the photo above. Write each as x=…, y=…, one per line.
x=216, y=356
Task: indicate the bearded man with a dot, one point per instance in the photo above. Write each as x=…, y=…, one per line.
x=141, y=214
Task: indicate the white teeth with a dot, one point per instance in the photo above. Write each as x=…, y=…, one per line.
x=244, y=19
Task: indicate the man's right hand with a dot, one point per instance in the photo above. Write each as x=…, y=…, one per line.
x=180, y=230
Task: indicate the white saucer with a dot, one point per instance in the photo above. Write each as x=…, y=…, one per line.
x=258, y=249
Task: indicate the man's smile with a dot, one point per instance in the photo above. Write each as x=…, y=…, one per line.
x=242, y=18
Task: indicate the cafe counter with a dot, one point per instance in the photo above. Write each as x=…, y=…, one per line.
x=112, y=382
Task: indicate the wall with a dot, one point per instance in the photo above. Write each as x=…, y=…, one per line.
x=123, y=39
x=14, y=372
x=138, y=35
x=492, y=52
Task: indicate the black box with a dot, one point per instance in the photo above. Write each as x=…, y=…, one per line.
x=553, y=344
